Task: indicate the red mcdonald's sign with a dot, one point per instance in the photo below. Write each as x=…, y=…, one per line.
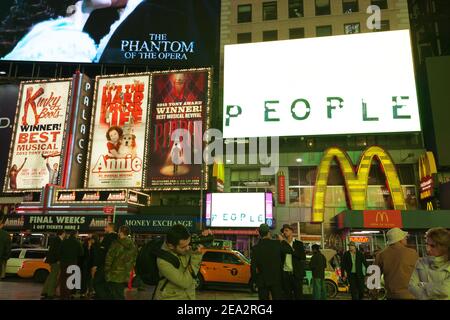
x=382, y=219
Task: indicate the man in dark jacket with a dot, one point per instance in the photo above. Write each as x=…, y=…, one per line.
x=267, y=265
x=98, y=270
x=353, y=263
x=53, y=257
x=5, y=248
x=71, y=250
x=318, y=265
x=293, y=264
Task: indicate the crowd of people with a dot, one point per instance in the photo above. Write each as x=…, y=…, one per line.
x=406, y=276
x=105, y=263
x=278, y=264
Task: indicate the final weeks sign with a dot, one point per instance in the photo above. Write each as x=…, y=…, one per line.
x=362, y=83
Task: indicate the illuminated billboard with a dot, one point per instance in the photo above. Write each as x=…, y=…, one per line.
x=36, y=152
x=360, y=83
x=179, y=100
x=238, y=209
x=118, y=132
x=158, y=33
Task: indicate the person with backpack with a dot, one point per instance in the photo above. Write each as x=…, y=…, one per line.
x=178, y=266
x=119, y=262
x=5, y=248
x=318, y=264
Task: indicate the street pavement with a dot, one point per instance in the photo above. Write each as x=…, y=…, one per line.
x=14, y=288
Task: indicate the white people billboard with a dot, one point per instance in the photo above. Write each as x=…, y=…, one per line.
x=118, y=132
x=40, y=126
x=347, y=84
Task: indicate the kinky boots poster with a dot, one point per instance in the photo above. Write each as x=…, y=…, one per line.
x=179, y=114
x=35, y=154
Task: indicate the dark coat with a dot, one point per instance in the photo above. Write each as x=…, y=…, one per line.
x=5, y=245
x=100, y=252
x=70, y=251
x=318, y=264
x=298, y=258
x=54, y=250
x=181, y=20
x=267, y=262
x=360, y=260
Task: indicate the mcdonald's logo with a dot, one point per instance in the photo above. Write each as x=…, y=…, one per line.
x=355, y=183
x=427, y=171
x=382, y=217
x=427, y=165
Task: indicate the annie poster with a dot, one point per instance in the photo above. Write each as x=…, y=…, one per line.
x=118, y=132
x=40, y=125
x=179, y=101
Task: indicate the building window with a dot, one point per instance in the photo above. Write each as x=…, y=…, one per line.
x=245, y=37
x=270, y=35
x=296, y=8
x=270, y=10
x=323, y=31
x=352, y=28
x=296, y=33
x=381, y=3
x=245, y=13
x=323, y=7
x=349, y=6
x=385, y=26
x=251, y=181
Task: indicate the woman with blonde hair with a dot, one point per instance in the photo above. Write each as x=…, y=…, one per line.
x=431, y=277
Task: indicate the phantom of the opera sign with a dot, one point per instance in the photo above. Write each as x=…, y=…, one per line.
x=157, y=33
x=40, y=129
x=308, y=87
x=180, y=101
x=118, y=132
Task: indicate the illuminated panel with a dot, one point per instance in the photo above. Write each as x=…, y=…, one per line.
x=427, y=165
x=355, y=184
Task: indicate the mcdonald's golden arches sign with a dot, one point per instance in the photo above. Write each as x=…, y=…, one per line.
x=355, y=183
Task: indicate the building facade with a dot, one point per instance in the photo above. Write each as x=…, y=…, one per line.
x=257, y=21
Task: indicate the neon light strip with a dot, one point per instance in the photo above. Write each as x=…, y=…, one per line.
x=208, y=205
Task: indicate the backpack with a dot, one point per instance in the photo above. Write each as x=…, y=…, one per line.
x=146, y=267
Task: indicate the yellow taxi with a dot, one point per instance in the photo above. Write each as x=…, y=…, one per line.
x=36, y=269
x=225, y=267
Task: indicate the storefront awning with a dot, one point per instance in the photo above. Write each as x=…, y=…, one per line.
x=386, y=219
